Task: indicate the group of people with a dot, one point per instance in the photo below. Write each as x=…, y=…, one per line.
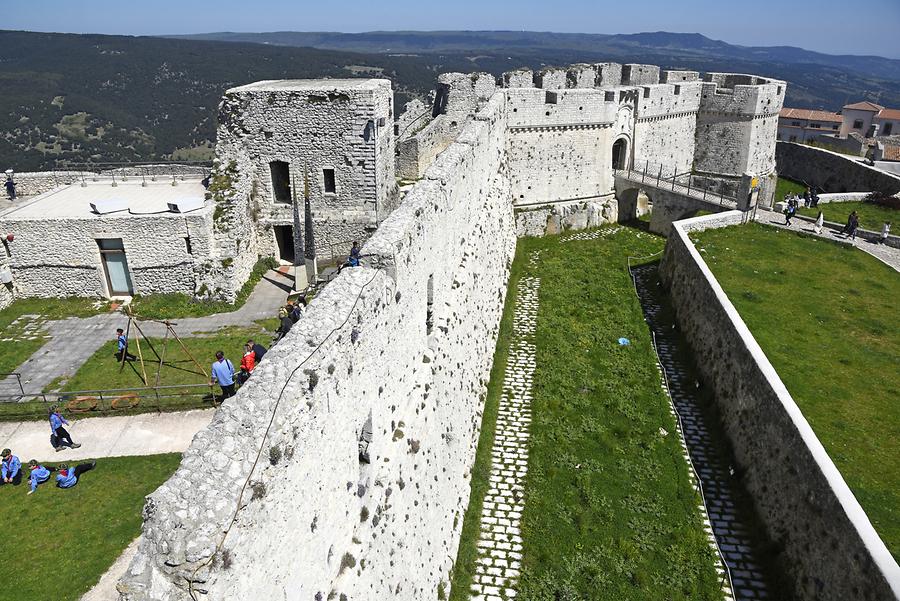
x=224, y=374
x=848, y=231
x=66, y=477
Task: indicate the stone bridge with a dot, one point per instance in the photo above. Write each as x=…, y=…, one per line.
x=672, y=197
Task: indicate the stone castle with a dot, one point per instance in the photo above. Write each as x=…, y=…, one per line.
x=562, y=135
x=272, y=498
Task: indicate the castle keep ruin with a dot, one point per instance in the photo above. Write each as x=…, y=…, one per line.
x=272, y=500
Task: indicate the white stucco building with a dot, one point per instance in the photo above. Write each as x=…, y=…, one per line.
x=108, y=237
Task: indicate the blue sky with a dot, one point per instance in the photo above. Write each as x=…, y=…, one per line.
x=832, y=26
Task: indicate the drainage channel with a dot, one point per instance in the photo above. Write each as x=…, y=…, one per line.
x=729, y=507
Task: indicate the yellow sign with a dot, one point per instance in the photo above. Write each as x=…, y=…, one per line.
x=754, y=183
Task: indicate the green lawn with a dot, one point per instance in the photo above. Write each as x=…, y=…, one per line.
x=827, y=318
x=609, y=511
x=871, y=215
x=58, y=542
x=176, y=304
x=787, y=186
x=102, y=371
x=27, y=334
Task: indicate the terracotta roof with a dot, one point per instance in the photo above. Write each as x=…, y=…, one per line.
x=891, y=153
x=864, y=106
x=888, y=114
x=810, y=115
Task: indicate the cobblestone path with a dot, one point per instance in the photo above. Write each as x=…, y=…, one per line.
x=726, y=523
x=500, y=544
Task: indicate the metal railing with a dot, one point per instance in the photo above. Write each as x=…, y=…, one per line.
x=14, y=374
x=106, y=400
x=663, y=181
x=696, y=473
x=151, y=171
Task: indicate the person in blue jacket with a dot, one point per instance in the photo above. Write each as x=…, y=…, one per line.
x=60, y=438
x=39, y=474
x=68, y=477
x=11, y=469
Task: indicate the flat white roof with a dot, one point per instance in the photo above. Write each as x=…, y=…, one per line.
x=310, y=85
x=74, y=201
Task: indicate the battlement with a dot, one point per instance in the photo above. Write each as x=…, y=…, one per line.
x=741, y=94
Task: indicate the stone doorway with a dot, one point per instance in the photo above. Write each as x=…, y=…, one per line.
x=620, y=154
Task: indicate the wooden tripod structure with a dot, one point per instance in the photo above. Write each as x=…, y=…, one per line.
x=170, y=331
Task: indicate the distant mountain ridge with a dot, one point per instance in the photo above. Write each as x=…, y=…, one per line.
x=69, y=99
x=679, y=44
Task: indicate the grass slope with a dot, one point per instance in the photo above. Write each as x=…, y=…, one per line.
x=826, y=317
x=57, y=543
x=175, y=305
x=787, y=186
x=609, y=511
x=871, y=215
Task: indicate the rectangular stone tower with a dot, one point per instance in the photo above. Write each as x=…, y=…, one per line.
x=335, y=133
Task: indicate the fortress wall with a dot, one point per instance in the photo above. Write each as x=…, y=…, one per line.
x=520, y=78
x=551, y=78
x=608, y=74
x=830, y=171
x=638, y=75
x=828, y=544
x=559, y=150
x=467, y=92
x=326, y=523
x=415, y=153
x=673, y=76
x=581, y=76
x=665, y=125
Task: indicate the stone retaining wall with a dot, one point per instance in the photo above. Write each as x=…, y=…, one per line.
x=829, y=546
x=404, y=344
x=830, y=171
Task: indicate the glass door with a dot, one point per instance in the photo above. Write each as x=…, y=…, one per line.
x=118, y=279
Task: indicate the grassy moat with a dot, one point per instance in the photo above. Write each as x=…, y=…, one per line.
x=827, y=318
x=609, y=511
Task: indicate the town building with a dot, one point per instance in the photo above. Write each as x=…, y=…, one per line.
x=870, y=120
x=803, y=125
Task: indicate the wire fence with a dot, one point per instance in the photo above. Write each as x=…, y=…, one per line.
x=23, y=405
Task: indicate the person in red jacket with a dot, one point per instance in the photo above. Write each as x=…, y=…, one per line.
x=248, y=362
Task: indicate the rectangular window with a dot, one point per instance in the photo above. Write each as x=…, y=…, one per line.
x=281, y=181
x=795, y=123
x=835, y=127
x=857, y=124
x=330, y=187
x=814, y=125
x=187, y=246
x=888, y=128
